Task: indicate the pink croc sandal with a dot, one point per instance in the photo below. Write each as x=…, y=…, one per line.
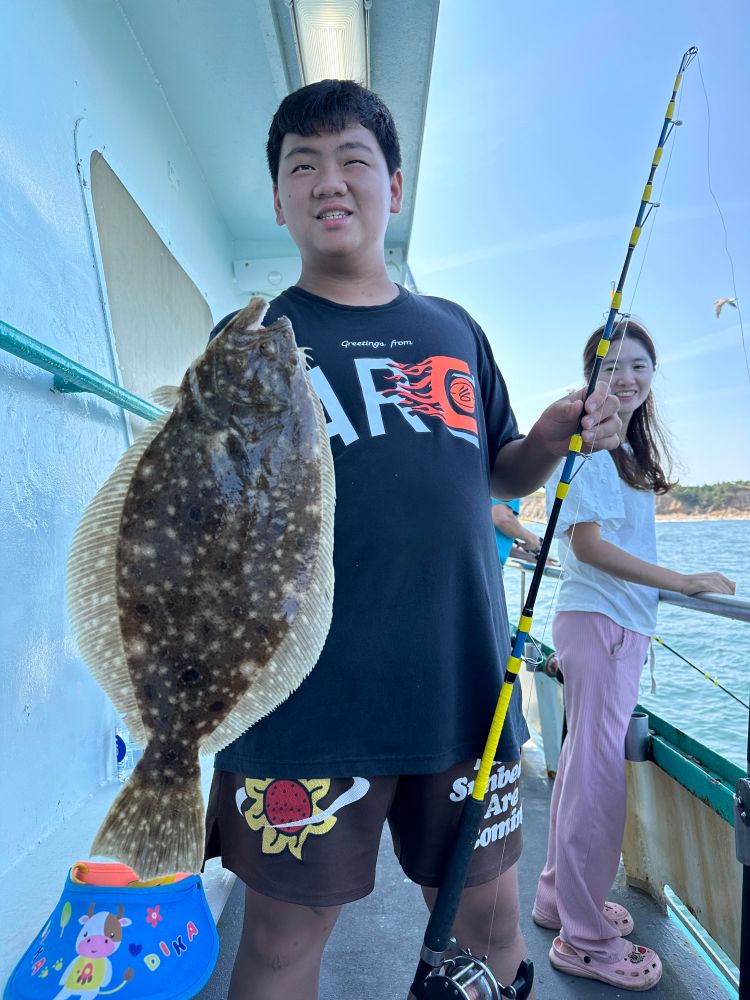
x=638, y=970
x=614, y=912
x=541, y=920
x=620, y=917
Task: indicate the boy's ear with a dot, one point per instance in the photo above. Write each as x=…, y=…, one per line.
x=280, y=220
x=397, y=192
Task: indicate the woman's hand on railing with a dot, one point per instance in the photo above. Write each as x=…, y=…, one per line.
x=705, y=583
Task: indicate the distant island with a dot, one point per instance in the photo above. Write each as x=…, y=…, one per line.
x=713, y=502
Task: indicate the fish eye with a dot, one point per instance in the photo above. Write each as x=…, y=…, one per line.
x=268, y=349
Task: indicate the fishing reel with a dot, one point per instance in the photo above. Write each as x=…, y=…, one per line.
x=466, y=977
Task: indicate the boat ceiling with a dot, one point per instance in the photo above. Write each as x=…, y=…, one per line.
x=225, y=66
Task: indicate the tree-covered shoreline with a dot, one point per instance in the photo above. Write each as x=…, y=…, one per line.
x=712, y=501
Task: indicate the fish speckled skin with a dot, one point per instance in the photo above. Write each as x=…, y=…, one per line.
x=223, y=576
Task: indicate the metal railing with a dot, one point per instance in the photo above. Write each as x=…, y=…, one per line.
x=69, y=376
x=723, y=605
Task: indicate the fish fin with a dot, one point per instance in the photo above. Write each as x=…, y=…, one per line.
x=166, y=396
x=155, y=828
x=305, y=356
x=91, y=584
x=300, y=649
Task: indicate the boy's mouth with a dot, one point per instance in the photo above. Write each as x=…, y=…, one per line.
x=335, y=213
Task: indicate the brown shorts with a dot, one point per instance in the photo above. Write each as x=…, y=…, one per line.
x=314, y=841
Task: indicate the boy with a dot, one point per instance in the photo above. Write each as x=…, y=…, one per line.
x=391, y=720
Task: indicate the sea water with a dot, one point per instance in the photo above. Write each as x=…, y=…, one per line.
x=719, y=646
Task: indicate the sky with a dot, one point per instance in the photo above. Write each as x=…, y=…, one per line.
x=541, y=125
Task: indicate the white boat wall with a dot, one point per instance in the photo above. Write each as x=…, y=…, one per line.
x=137, y=211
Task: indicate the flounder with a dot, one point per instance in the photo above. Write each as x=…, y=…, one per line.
x=200, y=580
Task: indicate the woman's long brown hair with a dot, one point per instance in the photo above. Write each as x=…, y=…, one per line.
x=649, y=465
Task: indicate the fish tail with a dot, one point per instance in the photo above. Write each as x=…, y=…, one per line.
x=157, y=822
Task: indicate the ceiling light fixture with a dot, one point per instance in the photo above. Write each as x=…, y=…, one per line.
x=332, y=39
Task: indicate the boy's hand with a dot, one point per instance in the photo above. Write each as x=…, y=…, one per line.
x=522, y=466
x=601, y=425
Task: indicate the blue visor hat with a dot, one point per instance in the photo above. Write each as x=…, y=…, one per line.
x=112, y=934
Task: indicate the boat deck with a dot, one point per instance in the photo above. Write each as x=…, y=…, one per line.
x=374, y=947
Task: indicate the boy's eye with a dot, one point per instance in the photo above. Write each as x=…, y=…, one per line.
x=301, y=166
x=364, y=164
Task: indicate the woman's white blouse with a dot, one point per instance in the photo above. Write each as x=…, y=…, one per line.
x=626, y=517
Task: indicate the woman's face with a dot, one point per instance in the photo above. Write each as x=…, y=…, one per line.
x=631, y=370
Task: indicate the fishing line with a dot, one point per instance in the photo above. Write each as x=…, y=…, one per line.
x=621, y=327
x=721, y=216
x=434, y=973
x=700, y=671
x=584, y=457
x=624, y=323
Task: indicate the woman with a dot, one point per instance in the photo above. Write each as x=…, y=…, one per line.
x=605, y=617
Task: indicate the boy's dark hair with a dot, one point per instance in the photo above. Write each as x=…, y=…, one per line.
x=330, y=106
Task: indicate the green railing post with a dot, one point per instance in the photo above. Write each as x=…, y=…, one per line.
x=69, y=375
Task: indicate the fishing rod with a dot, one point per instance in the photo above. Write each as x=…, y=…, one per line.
x=465, y=976
x=700, y=671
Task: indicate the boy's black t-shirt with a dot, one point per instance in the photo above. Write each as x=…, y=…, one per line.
x=410, y=673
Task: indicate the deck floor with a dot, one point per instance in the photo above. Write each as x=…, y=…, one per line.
x=374, y=947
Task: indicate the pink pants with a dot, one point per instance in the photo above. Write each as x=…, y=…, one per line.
x=601, y=663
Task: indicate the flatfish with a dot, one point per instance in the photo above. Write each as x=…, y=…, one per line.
x=200, y=579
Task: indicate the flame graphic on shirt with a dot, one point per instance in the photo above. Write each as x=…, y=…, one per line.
x=439, y=387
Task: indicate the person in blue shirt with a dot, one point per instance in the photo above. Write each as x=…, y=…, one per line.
x=510, y=534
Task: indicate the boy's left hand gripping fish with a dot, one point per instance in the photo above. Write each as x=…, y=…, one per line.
x=200, y=580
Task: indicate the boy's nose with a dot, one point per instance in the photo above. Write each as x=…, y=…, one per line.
x=330, y=182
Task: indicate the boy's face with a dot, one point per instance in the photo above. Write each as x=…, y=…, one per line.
x=334, y=194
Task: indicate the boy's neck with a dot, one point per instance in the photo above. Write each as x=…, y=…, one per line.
x=373, y=289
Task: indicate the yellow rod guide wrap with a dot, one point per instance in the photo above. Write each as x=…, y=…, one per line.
x=438, y=934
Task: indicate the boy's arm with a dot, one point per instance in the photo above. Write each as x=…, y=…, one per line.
x=522, y=466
